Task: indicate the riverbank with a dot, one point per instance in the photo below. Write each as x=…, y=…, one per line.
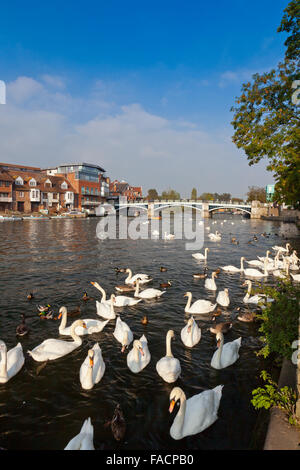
x=281, y=435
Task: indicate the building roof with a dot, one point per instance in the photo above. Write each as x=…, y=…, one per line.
x=17, y=167
x=41, y=179
x=92, y=165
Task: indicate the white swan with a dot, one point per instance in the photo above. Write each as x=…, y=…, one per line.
x=168, y=367
x=200, y=256
x=92, y=369
x=282, y=248
x=191, y=333
x=147, y=293
x=226, y=354
x=223, y=298
x=233, y=269
x=168, y=236
x=123, y=333
x=52, y=349
x=281, y=274
x=215, y=237
x=210, y=283
x=195, y=414
x=254, y=299
x=11, y=361
x=119, y=300
x=83, y=440
x=92, y=326
x=106, y=310
x=130, y=279
x=200, y=306
x=139, y=356
x=251, y=272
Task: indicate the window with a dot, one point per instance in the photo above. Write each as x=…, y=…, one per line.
x=48, y=183
x=19, y=180
x=82, y=190
x=21, y=193
x=32, y=182
x=64, y=185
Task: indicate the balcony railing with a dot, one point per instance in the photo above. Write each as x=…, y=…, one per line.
x=5, y=199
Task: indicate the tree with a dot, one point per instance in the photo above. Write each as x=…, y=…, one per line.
x=194, y=194
x=266, y=118
x=152, y=194
x=206, y=197
x=170, y=194
x=256, y=194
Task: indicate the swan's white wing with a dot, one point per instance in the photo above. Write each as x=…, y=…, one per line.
x=15, y=360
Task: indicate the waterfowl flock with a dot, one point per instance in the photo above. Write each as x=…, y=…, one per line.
x=195, y=413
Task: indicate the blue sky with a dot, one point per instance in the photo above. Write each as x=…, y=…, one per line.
x=142, y=88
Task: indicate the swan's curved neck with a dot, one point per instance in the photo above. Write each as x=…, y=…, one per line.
x=89, y=376
x=63, y=322
x=3, y=363
x=189, y=300
x=179, y=420
x=136, y=354
x=137, y=289
x=168, y=346
x=129, y=275
x=242, y=264
x=75, y=337
x=103, y=299
x=219, y=353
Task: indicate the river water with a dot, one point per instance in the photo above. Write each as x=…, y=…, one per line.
x=57, y=260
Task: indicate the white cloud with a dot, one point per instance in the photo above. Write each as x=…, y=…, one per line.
x=54, y=81
x=128, y=141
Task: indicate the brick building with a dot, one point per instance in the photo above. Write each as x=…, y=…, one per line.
x=28, y=189
x=88, y=181
x=122, y=188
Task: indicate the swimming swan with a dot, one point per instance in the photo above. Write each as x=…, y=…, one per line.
x=139, y=356
x=195, y=414
x=123, y=333
x=232, y=269
x=226, y=354
x=191, y=333
x=92, y=326
x=210, y=283
x=200, y=256
x=200, y=306
x=92, y=369
x=147, y=293
x=11, y=361
x=52, y=349
x=130, y=279
x=168, y=367
x=83, y=440
x=223, y=298
x=105, y=310
x=119, y=300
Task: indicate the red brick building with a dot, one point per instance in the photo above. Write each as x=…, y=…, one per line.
x=30, y=190
x=122, y=188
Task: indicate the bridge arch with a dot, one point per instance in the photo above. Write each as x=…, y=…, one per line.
x=235, y=208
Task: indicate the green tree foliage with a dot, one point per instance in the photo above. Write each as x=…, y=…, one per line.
x=152, y=194
x=266, y=118
x=279, y=320
x=206, y=197
x=271, y=395
x=194, y=194
x=256, y=193
x=170, y=194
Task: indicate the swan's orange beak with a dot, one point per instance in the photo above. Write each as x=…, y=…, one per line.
x=172, y=404
x=141, y=351
x=59, y=316
x=84, y=325
x=189, y=329
x=123, y=348
x=92, y=283
x=91, y=361
x=218, y=343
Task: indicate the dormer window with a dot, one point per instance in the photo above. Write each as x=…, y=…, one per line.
x=48, y=183
x=19, y=180
x=32, y=182
x=64, y=185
